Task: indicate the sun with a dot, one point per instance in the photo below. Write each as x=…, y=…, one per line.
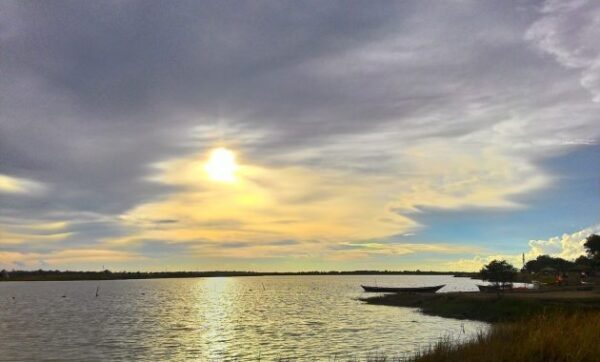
x=221, y=165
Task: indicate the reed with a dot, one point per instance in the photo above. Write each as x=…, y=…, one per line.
x=556, y=336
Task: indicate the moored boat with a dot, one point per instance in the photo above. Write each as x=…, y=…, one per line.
x=494, y=288
x=431, y=289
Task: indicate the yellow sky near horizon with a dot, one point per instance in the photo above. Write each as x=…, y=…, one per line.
x=330, y=213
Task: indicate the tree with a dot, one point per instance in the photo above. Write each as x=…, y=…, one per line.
x=546, y=261
x=583, y=261
x=499, y=272
x=592, y=246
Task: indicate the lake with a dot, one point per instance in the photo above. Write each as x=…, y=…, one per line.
x=241, y=318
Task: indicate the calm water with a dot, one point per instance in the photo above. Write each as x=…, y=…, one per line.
x=216, y=318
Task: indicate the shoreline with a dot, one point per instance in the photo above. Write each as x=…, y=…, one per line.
x=489, y=307
x=50, y=275
x=548, y=326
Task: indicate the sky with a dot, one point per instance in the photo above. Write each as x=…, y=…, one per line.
x=297, y=135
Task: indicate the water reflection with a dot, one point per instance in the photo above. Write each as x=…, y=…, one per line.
x=216, y=318
x=217, y=314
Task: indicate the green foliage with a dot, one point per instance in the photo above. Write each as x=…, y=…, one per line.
x=499, y=272
x=546, y=261
x=592, y=246
x=584, y=262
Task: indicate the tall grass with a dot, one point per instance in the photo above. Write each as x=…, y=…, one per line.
x=546, y=337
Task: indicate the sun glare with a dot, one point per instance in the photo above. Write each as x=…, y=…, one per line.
x=221, y=165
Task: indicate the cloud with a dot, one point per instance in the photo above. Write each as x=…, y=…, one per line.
x=567, y=246
x=15, y=185
x=478, y=261
x=63, y=258
x=365, y=250
x=359, y=115
x=325, y=204
x=569, y=32
x=19, y=232
x=22, y=238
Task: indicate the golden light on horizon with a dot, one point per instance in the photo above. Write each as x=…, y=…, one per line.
x=221, y=165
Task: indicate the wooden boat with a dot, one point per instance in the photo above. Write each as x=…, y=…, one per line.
x=431, y=289
x=493, y=288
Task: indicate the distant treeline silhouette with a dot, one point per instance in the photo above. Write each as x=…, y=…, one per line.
x=40, y=275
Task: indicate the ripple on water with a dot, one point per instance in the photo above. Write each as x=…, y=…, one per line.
x=216, y=318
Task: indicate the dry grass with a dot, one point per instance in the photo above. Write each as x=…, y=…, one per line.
x=544, y=338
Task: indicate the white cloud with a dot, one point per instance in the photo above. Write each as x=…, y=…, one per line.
x=16, y=185
x=567, y=246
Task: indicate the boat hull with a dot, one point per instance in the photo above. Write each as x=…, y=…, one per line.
x=492, y=288
x=432, y=289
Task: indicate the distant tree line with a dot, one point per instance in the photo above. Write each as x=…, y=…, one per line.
x=501, y=273
x=590, y=261
x=40, y=274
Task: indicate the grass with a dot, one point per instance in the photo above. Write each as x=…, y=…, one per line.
x=491, y=308
x=555, y=336
x=556, y=326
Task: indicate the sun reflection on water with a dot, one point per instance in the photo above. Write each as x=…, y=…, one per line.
x=311, y=317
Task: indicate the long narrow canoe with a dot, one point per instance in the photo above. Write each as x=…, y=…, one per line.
x=431, y=289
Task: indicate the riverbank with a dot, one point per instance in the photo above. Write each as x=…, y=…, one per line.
x=549, y=326
x=489, y=307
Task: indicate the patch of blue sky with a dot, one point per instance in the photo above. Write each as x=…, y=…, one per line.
x=569, y=204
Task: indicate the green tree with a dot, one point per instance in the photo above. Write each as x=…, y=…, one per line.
x=546, y=261
x=583, y=261
x=499, y=272
x=592, y=246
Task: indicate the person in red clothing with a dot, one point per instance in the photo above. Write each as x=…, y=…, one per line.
x=558, y=279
